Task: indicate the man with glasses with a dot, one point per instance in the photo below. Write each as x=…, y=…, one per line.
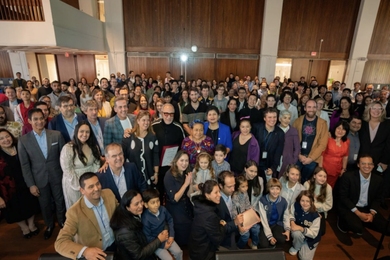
x=169, y=133
x=67, y=120
x=241, y=101
x=360, y=194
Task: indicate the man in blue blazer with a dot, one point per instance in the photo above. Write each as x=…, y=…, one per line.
x=120, y=176
x=67, y=120
x=121, y=123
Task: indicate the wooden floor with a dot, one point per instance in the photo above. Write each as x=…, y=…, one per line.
x=334, y=245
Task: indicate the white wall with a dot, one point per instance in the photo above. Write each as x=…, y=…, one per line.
x=32, y=65
x=75, y=29
x=19, y=64
x=29, y=33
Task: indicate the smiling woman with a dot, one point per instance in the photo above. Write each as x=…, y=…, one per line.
x=77, y=157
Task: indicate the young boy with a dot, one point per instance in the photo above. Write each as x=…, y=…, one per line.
x=274, y=216
x=219, y=164
x=154, y=219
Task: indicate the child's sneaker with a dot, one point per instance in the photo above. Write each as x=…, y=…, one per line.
x=252, y=246
x=292, y=251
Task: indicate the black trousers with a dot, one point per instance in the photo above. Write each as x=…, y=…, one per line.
x=349, y=221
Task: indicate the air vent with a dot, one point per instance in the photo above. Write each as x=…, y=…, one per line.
x=149, y=54
x=237, y=56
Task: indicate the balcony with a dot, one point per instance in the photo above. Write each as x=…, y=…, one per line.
x=49, y=26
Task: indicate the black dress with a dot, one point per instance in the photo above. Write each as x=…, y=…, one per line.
x=20, y=203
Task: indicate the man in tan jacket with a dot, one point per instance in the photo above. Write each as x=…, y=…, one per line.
x=313, y=134
x=87, y=231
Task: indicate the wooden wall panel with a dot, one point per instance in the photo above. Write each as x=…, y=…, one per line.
x=299, y=68
x=5, y=65
x=66, y=67
x=237, y=67
x=380, y=41
x=376, y=71
x=319, y=69
x=223, y=26
x=151, y=66
x=74, y=3
x=86, y=67
x=305, y=22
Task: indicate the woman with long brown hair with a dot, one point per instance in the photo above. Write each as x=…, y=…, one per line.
x=141, y=148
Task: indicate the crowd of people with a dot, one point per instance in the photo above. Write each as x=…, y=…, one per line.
x=144, y=166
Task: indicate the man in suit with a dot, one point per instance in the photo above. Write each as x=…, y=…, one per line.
x=313, y=135
x=39, y=154
x=226, y=184
x=87, y=232
x=360, y=194
x=120, y=176
x=121, y=123
x=67, y=120
x=91, y=114
x=11, y=103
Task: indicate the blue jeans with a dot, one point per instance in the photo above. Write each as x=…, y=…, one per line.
x=253, y=232
x=306, y=170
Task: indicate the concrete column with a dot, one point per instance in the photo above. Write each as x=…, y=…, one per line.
x=115, y=36
x=272, y=18
x=361, y=41
x=19, y=64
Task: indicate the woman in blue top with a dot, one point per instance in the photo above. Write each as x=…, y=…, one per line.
x=218, y=132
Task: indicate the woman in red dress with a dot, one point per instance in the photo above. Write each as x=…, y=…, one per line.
x=335, y=156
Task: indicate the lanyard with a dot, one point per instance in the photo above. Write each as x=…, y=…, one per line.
x=266, y=137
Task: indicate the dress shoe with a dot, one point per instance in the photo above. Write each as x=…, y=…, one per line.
x=35, y=232
x=48, y=233
x=27, y=236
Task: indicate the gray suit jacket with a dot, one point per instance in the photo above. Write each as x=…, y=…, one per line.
x=36, y=169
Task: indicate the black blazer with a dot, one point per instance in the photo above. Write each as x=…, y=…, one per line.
x=134, y=180
x=349, y=191
x=231, y=228
x=379, y=149
x=225, y=119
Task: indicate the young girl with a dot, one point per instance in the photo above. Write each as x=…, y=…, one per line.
x=240, y=200
x=291, y=187
x=274, y=216
x=255, y=184
x=323, y=199
x=203, y=171
x=304, y=226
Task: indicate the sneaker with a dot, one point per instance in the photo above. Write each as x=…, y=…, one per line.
x=338, y=226
x=252, y=246
x=292, y=251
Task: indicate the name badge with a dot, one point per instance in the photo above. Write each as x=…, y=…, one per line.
x=355, y=157
x=304, y=145
x=264, y=155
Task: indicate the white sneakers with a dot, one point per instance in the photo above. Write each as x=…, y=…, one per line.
x=292, y=251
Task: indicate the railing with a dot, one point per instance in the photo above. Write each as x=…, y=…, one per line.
x=21, y=10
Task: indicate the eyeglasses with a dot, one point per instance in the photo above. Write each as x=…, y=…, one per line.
x=377, y=108
x=168, y=114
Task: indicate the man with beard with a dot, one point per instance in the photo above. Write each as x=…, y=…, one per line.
x=55, y=94
x=313, y=135
x=336, y=92
x=45, y=89
x=194, y=110
x=15, y=128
